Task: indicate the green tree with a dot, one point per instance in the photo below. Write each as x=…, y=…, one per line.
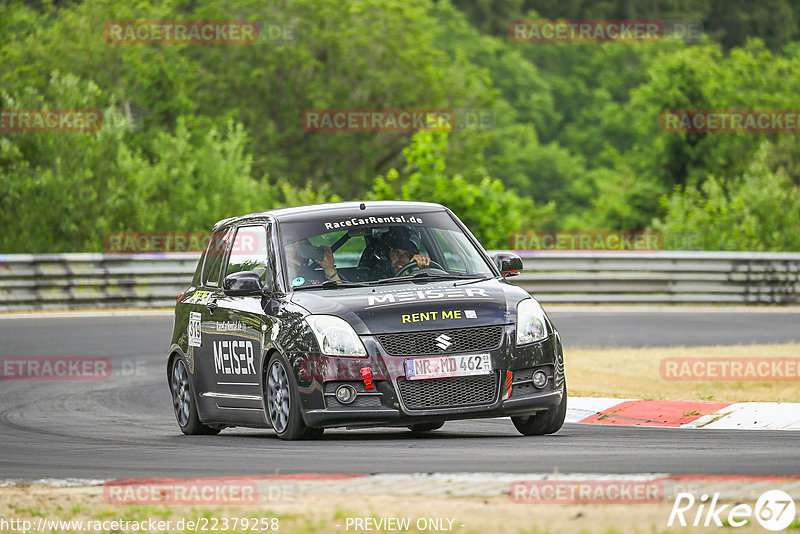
x=491, y=212
x=759, y=210
x=61, y=192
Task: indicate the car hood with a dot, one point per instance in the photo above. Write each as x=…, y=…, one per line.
x=417, y=305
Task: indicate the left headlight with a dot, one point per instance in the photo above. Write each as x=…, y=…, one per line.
x=335, y=336
x=531, y=322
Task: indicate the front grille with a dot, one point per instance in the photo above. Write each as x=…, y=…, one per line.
x=523, y=375
x=362, y=401
x=460, y=391
x=461, y=340
x=523, y=390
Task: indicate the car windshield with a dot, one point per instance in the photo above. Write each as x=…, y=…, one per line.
x=378, y=249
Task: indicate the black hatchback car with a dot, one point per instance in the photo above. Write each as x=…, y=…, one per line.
x=359, y=314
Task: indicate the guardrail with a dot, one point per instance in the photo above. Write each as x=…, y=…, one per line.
x=67, y=281
x=663, y=277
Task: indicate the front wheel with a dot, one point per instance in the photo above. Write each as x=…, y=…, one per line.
x=541, y=423
x=183, y=402
x=283, y=404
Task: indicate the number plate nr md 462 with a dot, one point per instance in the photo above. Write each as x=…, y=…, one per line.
x=448, y=366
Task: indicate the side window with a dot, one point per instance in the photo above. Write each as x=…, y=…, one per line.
x=218, y=247
x=249, y=251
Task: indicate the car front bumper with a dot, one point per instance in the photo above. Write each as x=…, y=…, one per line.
x=366, y=417
x=385, y=405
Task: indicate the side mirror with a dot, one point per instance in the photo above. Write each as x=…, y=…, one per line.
x=242, y=283
x=508, y=263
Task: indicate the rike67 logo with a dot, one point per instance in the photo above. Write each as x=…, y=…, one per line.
x=774, y=510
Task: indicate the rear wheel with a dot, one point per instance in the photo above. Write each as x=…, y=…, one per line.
x=283, y=404
x=425, y=427
x=183, y=401
x=541, y=423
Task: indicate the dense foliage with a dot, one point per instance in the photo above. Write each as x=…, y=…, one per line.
x=194, y=133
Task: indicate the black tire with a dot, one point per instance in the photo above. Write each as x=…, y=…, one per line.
x=542, y=423
x=282, y=402
x=183, y=401
x=425, y=427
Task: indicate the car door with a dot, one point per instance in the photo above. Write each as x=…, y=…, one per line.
x=201, y=304
x=236, y=330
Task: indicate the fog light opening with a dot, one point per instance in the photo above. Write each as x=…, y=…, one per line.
x=539, y=379
x=345, y=394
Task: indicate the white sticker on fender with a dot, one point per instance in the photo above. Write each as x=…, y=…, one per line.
x=195, y=337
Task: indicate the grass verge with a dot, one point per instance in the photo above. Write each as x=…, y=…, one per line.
x=635, y=373
x=329, y=514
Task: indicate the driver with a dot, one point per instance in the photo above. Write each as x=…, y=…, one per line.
x=403, y=251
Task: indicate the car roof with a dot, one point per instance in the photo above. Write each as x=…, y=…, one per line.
x=339, y=209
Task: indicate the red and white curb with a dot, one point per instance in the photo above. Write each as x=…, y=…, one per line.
x=685, y=414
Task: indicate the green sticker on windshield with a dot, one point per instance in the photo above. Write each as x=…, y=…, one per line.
x=299, y=281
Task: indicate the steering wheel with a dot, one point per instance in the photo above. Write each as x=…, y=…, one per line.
x=413, y=263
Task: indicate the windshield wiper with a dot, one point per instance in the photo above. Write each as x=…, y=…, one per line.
x=493, y=277
x=333, y=284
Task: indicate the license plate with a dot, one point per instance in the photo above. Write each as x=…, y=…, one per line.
x=448, y=366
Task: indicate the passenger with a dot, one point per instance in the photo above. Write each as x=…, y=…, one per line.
x=297, y=256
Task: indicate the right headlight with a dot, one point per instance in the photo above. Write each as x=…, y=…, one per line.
x=531, y=322
x=335, y=336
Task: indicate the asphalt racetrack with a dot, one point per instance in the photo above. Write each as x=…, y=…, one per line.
x=124, y=426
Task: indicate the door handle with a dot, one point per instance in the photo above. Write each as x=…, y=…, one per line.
x=212, y=305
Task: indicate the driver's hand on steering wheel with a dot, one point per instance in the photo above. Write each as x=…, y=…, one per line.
x=422, y=261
